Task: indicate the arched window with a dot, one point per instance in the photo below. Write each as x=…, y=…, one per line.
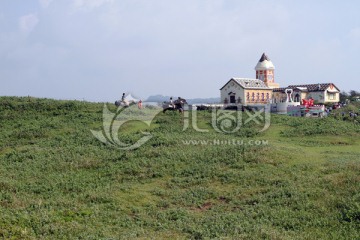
x=248, y=96
x=262, y=97
x=253, y=97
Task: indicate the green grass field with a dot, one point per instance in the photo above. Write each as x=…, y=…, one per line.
x=57, y=181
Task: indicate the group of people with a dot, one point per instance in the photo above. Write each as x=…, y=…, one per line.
x=123, y=99
x=171, y=105
x=177, y=104
x=351, y=114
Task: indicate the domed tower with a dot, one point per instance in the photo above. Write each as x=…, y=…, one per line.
x=265, y=71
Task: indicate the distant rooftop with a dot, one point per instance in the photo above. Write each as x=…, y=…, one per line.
x=250, y=83
x=308, y=87
x=264, y=57
x=312, y=87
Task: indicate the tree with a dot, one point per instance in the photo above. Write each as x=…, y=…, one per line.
x=343, y=96
x=353, y=95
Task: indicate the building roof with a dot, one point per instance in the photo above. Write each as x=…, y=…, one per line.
x=302, y=89
x=264, y=63
x=249, y=83
x=264, y=57
x=309, y=87
x=313, y=87
x=279, y=89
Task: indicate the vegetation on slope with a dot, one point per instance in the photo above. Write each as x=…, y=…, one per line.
x=58, y=181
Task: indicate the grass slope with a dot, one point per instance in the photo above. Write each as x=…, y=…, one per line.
x=57, y=181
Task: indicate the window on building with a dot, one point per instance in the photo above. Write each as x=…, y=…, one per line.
x=332, y=96
x=253, y=96
x=262, y=96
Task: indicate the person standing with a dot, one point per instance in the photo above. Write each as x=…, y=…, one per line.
x=171, y=102
x=179, y=104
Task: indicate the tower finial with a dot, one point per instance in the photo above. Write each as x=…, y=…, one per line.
x=264, y=57
x=264, y=63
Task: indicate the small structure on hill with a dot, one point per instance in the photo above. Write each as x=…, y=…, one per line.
x=306, y=109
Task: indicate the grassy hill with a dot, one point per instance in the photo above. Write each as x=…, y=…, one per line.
x=57, y=181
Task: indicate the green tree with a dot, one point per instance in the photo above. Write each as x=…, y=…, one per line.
x=343, y=96
x=353, y=95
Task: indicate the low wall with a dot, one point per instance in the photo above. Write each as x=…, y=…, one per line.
x=282, y=107
x=300, y=111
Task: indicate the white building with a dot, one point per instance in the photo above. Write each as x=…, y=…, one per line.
x=245, y=91
x=321, y=93
x=249, y=91
x=264, y=89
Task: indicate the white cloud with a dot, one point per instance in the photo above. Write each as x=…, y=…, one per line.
x=89, y=4
x=128, y=43
x=45, y=3
x=28, y=22
x=354, y=34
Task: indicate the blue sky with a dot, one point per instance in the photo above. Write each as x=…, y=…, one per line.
x=97, y=49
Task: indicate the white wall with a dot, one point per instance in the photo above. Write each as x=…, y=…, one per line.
x=234, y=87
x=282, y=107
x=317, y=96
x=336, y=97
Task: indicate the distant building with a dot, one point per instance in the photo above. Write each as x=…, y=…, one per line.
x=321, y=93
x=245, y=91
x=264, y=89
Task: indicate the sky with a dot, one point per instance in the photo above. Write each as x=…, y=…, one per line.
x=95, y=50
